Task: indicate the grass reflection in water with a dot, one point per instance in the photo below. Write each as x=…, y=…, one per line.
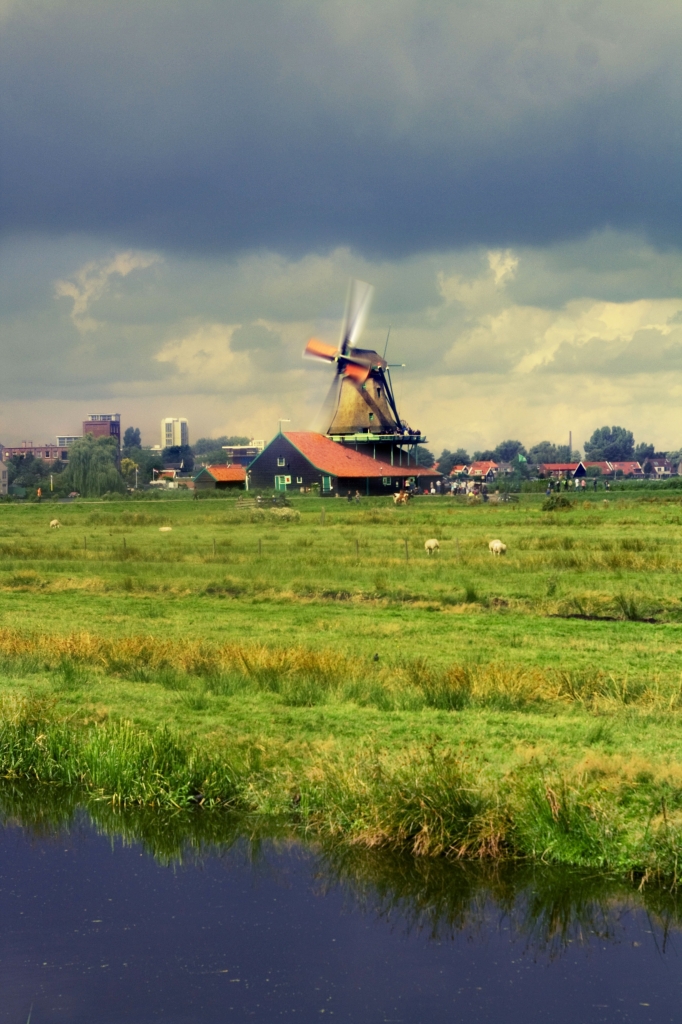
x=551, y=907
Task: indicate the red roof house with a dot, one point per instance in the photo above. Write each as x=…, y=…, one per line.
x=221, y=478
x=564, y=468
x=628, y=468
x=485, y=469
x=299, y=460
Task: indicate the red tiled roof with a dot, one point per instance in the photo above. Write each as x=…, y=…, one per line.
x=481, y=467
x=627, y=467
x=336, y=459
x=557, y=467
x=227, y=474
x=606, y=467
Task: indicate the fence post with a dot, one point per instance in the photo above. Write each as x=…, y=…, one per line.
x=124, y=543
x=214, y=547
x=260, y=547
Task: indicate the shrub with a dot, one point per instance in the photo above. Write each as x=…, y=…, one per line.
x=555, y=502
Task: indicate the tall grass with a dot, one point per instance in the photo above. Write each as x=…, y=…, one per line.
x=429, y=803
x=300, y=677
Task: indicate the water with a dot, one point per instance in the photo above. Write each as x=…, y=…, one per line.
x=98, y=929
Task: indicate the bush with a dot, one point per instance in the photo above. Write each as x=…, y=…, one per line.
x=555, y=502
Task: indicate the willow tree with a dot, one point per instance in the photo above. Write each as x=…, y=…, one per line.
x=92, y=469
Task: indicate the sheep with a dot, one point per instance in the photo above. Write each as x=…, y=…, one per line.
x=496, y=547
x=165, y=529
x=431, y=546
x=55, y=524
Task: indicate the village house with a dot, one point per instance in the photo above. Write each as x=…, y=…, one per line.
x=221, y=478
x=563, y=469
x=627, y=468
x=301, y=460
x=484, y=470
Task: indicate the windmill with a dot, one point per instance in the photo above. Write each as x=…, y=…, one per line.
x=360, y=408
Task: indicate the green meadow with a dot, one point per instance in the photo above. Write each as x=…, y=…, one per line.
x=316, y=666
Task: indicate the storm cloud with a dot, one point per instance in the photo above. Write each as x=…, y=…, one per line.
x=395, y=127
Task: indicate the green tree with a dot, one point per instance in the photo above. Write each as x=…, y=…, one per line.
x=425, y=457
x=132, y=438
x=507, y=450
x=148, y=461
x=448, y=460
x=92, y=469
x=128, y=467
x=644, y=451
x=610, y=444
x=546, y=451
x=210, y=449
x=487, y=455
x=179, y=454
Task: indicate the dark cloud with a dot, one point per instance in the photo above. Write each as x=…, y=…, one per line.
x=648, y=351
x=390, y=127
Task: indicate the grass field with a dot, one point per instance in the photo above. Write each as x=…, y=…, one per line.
x=323, y=669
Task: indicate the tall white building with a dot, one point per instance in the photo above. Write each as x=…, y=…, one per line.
x=174, y=432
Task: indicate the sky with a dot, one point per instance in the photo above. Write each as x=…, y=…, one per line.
x=186, y=189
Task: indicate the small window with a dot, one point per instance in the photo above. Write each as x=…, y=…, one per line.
x=299, y=479
x=281, y=462
x=65, y=455
x=387, y=481
x=371, y=416
x=378, y=392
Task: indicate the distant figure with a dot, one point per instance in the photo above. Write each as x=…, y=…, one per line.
x=357, y=496
x=594, y=484
x=607, y=485
x=548, y=490
x=566, y=484
x=39, y=493
x=350, y=495
x=576, y=482
x=583, y=484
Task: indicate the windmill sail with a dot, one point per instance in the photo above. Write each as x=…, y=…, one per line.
x=360, y=400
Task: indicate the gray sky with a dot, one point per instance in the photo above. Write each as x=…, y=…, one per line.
x=187, y=188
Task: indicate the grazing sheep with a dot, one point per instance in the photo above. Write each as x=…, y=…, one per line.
x=165, y=529
x=55, y=525
x=496, y=547
x=430, y=546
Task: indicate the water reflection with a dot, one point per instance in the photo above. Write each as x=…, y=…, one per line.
x=551, y=908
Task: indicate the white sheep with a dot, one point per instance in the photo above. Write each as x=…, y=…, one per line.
x=55, y=525
x=431, y=546
x=496, y=547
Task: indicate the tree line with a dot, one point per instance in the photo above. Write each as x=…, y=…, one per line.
x=607, y=444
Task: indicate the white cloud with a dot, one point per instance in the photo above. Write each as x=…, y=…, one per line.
x=92, y=281
x=527, y=342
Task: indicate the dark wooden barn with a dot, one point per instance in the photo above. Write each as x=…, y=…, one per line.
x=221, y=478
x=302, y=460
